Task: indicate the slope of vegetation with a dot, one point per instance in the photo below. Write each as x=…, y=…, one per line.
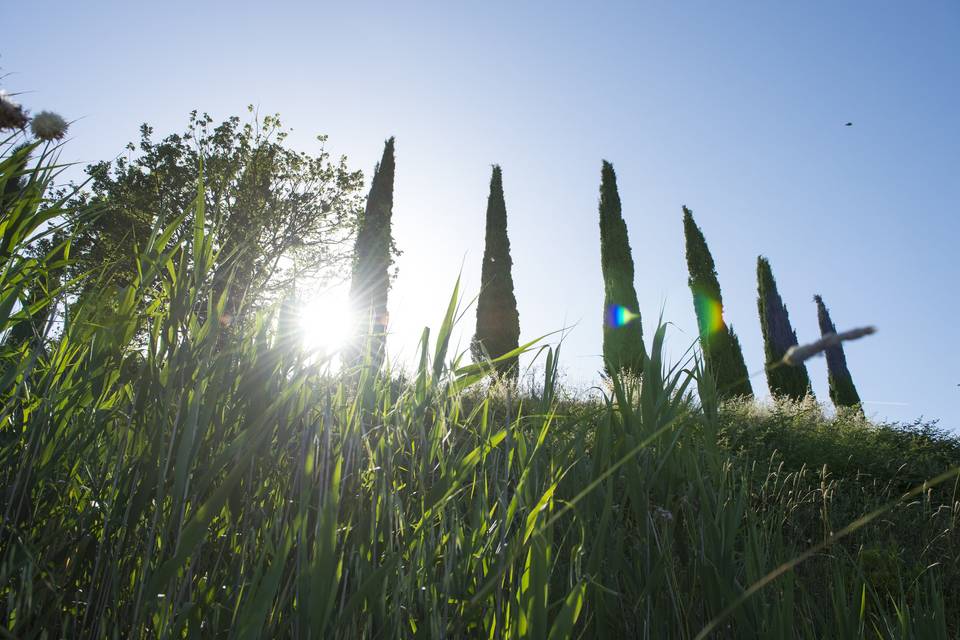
x=168, y=474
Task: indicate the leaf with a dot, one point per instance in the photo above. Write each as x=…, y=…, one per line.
x=567, y=617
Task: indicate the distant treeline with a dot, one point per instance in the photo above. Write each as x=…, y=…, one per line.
x=498, y=326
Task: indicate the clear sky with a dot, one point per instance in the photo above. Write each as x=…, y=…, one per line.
x=734, y=109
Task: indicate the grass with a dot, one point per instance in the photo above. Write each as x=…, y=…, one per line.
x=165, y=476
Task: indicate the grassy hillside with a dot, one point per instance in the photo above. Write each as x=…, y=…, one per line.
x=165, y=474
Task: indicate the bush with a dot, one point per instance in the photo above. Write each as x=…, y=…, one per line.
x=850, y=445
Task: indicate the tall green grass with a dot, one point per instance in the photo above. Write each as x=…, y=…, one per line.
x=168, y=476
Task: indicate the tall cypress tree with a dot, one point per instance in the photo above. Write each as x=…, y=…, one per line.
x=371, y=269
x=842, y=391
x=498, y=322
x=720, y=345
x=622, y=329
x=778, y=336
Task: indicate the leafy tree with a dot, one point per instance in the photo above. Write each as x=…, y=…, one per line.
x=778, y=336
x=720, y=345
x=498, y=322
x=373, y=257
x=843, y=393
x=280, y=215
x=622, y=329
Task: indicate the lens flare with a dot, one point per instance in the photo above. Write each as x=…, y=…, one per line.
x=709, y=314
x=325, y=321
x=619, y=316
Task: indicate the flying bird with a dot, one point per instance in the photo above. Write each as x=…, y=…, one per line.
x=849, y=124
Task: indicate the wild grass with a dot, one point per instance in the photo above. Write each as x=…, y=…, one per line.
x=167, y=476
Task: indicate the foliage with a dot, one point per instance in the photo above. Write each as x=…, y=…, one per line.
x=498, y=322
x=623, y=348
x=177, y=489
x=842, y=390
x=839, y=467
x=778, y=336
x=849, y=444
x=277, y=215
x=721, y=347
x=19, y=157
x=34, y=248
x=372, y=259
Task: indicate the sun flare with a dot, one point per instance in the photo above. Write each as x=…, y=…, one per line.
x=325, y=322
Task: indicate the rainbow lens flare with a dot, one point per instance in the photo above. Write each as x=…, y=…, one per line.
x=619, y=316
x=709, y=314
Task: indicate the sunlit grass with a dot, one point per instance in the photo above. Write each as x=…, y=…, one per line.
x=165, y=475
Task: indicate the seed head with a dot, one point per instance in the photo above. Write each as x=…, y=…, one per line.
x=47, y=125
x=796, y=354
x=12, y=115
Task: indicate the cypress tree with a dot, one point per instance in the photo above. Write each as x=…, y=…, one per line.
x=622, y=329
x=498, y=322
x=371, y=270
x=778, y=336
x=842, y=391
x=720, y=345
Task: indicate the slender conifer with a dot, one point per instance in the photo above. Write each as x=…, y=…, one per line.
x=622, y=330
x=371, y=270
x=498, y=321
x=720, y=345
x=843, y=393
x=778, y=336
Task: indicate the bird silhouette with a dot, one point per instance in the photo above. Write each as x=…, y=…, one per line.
x=849, y=124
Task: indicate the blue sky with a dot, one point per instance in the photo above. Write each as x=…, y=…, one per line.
x=734, y=109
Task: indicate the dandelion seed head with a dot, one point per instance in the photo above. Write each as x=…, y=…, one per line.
x=48, y=125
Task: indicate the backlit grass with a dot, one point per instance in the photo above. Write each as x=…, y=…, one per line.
x=165, y=475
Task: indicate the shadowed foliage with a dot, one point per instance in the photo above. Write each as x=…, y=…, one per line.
x=720, y=345
x=498, y=322
x=778, y=336
x=622, y=327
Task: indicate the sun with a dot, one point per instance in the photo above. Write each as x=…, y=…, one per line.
x=324, y=321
